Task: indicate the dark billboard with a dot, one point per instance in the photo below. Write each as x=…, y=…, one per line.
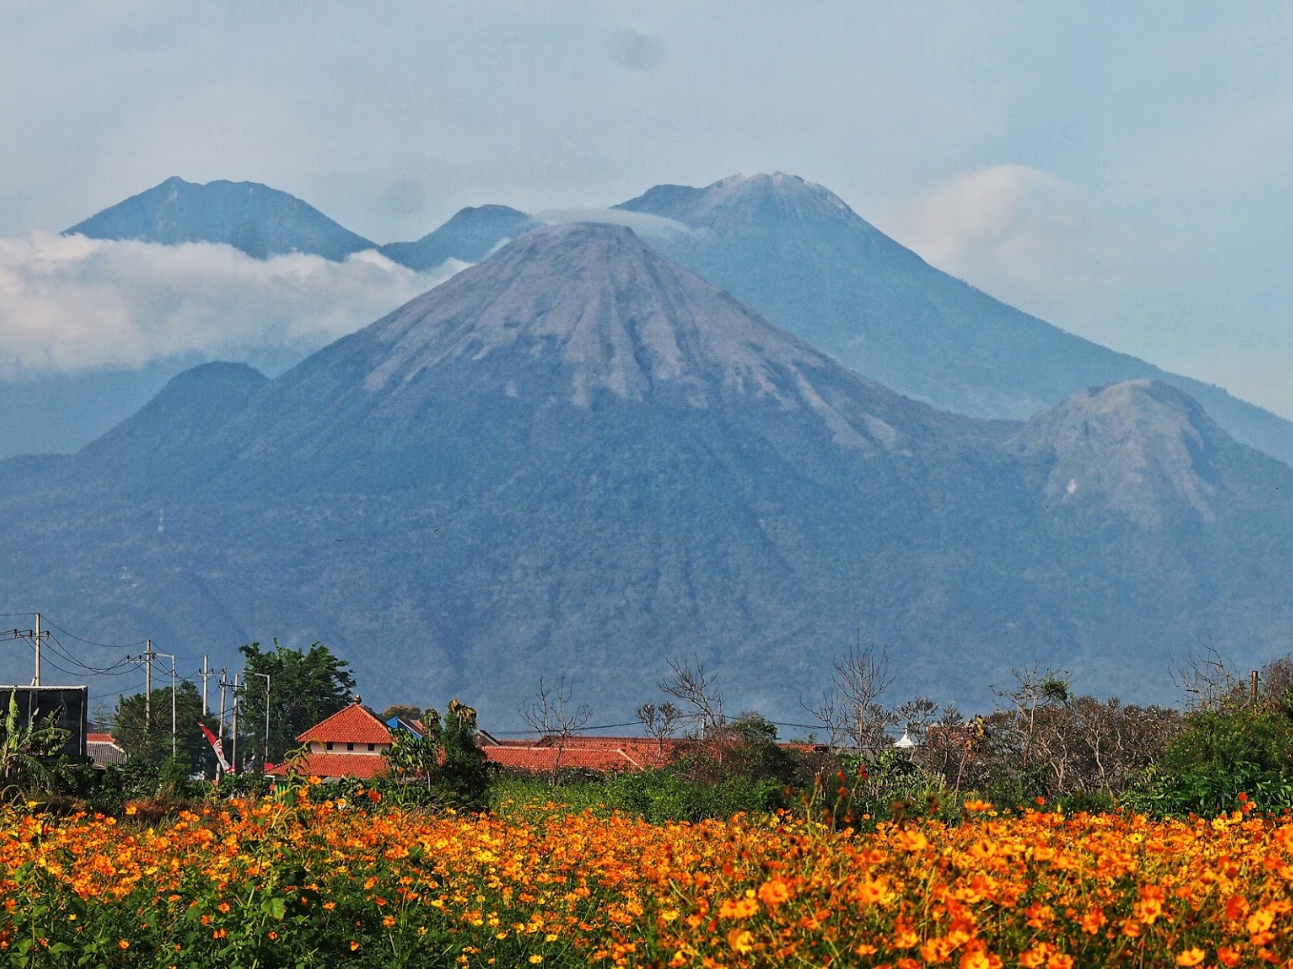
x=70, y=703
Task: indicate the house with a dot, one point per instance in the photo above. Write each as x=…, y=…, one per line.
x=102, y=748
x=347, y=744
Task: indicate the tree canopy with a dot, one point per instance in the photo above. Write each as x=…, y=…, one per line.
x=304, y=687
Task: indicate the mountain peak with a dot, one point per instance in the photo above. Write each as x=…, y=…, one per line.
x=469, y=236
x=583, y=316
x=1139, y=443
x=258, y=220
x=622, y=318
x=757, y=197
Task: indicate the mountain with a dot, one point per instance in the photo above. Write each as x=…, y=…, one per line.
x=470, y=236
x=579, y=458
x=254, y=218
x=797, y=253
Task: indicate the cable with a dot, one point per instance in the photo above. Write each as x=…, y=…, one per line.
x=89, y=642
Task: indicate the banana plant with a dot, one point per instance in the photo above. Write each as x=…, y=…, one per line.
x=25, y=748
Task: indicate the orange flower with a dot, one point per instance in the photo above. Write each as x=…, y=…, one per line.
x=774, y=892
x=1191, y=957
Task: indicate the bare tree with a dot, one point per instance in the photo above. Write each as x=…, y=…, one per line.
x=915, y=717
x=1019, y=715
x=552, y=715
x=850, y=708
x=1206, y=680
x=690, y=685
x=661, y=722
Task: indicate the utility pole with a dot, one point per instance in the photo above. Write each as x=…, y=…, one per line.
x=236, y=768
x=206, y=674
x=171, y=657
x=33, y=636
x=224, y=685
x=265, y=754
x=147, y=660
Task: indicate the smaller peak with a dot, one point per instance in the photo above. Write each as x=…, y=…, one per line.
x=1140, y=444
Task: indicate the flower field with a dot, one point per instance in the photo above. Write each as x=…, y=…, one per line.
x=289, y=882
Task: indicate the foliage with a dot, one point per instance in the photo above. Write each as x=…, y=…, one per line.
x=444, y=763
x=148, y=738
x=1235, y=741
x=25, y=750
x=304, y=688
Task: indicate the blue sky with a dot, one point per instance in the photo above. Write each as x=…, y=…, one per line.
x=1121, y=169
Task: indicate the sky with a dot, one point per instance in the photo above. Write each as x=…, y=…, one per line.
x=1122, y=170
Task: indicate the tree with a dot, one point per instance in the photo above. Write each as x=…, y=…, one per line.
x=551, y=715
x=850, y=708
x=660, y=722
x=404, y=711
x=445, y=758
x=693, y=687
x=304, y=687
x=149, y=740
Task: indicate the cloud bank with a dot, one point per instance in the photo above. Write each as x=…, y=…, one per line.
x=1016, y=232
x=72, y=304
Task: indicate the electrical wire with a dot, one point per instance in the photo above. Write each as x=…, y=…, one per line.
x=89, y=642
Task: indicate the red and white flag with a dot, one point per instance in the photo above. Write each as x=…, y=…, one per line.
x=216, y=745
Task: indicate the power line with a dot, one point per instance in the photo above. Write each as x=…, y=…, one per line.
x=90, y=642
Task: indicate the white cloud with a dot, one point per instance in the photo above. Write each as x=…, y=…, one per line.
x=1018, y=233
x=645, y=224
x=68, y=303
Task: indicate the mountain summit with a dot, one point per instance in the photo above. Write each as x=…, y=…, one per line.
x=471, y=235
x=573, y=315
x=254, y=218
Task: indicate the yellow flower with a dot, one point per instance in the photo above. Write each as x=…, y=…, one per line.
x=535, y=959
x=1191, y=957
x=740, y=940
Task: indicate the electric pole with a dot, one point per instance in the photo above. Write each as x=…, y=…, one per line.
x=147, y=660
x=224, y=686
x=236, y=768
x=206, y=674
x=171, y=657
x=33, y=636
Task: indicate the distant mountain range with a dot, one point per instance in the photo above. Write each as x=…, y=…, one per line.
x=788, y=248
x=579, y=457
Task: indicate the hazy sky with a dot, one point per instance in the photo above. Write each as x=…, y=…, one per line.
x=1120, y=169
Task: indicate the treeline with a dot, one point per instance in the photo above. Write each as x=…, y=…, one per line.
x=1043, y=743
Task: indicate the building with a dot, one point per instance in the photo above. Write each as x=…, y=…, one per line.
x=602, y=755
x=347, y=744
x=103, y=749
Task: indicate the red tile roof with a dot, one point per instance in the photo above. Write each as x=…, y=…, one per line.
x=361, y=766
x=353, y=724
x=601, y=754
x=95, y=737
